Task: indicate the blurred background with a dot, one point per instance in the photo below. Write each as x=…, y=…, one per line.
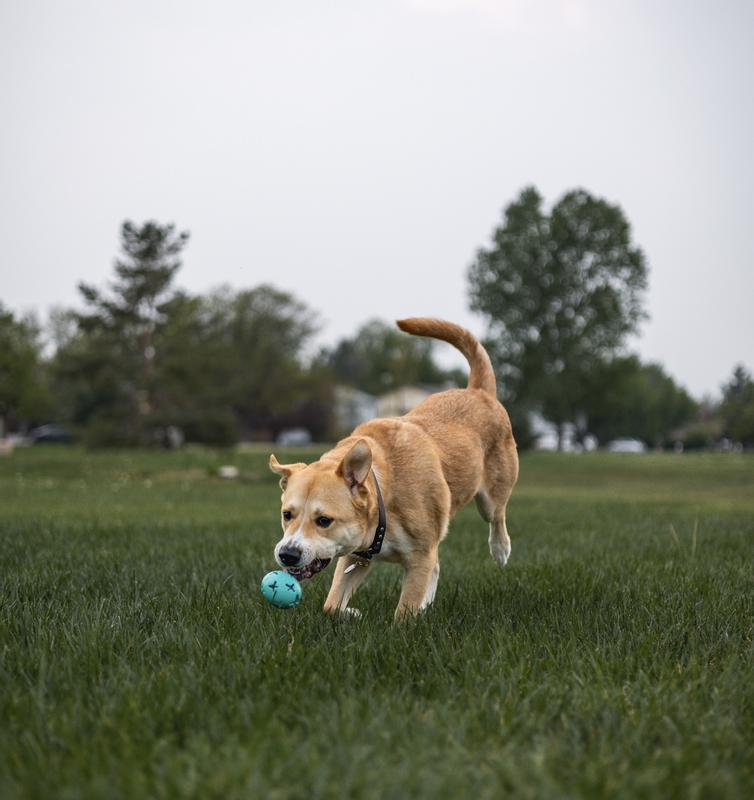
x=211, y=214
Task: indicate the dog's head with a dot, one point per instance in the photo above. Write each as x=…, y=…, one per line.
x=326, y=508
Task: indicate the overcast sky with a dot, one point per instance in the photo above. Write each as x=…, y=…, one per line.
x=358, y=153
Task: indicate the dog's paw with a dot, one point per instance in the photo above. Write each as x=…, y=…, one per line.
x=500, y=553
x=350, y=613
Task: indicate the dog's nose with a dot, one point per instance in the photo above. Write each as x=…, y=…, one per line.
x=290, y=556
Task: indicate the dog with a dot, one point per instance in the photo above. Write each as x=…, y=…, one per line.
x=388, y=491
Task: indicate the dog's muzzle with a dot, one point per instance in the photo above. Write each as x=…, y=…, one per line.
x=312, y=568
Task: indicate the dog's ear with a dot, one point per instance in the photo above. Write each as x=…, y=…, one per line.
x=356, y=464
x=284, y=470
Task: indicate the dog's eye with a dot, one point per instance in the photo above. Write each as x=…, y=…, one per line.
x=323, y=522
x=287, y=516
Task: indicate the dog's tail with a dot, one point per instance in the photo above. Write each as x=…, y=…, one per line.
x=481, y=375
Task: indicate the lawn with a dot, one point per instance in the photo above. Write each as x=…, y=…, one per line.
x=613, y=656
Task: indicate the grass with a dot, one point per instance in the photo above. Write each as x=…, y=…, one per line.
x=613, y=656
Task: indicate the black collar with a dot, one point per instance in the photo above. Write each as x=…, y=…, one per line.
x=379, y=534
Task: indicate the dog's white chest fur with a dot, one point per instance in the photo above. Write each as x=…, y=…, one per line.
x=397, y=543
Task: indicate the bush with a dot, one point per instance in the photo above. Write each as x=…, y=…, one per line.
x=702, y=435
x=107, y=431
x=218, y=427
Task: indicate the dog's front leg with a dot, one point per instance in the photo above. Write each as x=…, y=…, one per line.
x=419, y=584
x=345, y=584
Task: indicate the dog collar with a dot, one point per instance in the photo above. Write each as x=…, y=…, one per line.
x=379, y=534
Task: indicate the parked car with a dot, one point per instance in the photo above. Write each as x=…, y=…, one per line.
x=294, y=437
x=50, y=434
x=627, y=446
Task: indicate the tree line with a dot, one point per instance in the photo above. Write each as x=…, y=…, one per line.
x=560, y=292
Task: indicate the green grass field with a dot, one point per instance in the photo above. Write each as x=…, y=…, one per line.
x=613, y=656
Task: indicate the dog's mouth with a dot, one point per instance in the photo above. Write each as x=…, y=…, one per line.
x=312, y=568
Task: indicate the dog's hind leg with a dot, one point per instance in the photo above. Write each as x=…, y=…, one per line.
x=492, y=510
x=500, y=475
x=344, y=584
x=500, y=542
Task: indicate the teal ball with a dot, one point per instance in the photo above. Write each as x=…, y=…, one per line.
x=281, y=589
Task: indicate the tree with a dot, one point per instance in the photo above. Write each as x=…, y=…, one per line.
x=623, y=397
x=107, y=368
x=151, y=257
x=737, y=407
x=380, y=358
x=560, y=293
x=24, y=396
x=144, y=357
x=189, y=389
x=257, y=340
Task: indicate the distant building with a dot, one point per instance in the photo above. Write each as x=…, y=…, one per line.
x=400, y=401
x=352, y=407
x=406, y=398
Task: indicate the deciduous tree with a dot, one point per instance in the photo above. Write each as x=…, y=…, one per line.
x=625, y=398
x=380, y=358
x=24, y=396
x=560, y=292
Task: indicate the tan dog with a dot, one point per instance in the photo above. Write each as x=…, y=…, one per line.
x=428, y=464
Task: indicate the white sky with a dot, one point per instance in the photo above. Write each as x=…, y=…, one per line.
x=358, y=153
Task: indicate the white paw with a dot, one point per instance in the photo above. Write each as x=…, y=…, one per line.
x=500, y=553
x=353, y=613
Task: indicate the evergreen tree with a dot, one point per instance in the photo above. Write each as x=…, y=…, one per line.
x=108, y=368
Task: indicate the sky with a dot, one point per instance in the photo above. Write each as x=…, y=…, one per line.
x=358, y=153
